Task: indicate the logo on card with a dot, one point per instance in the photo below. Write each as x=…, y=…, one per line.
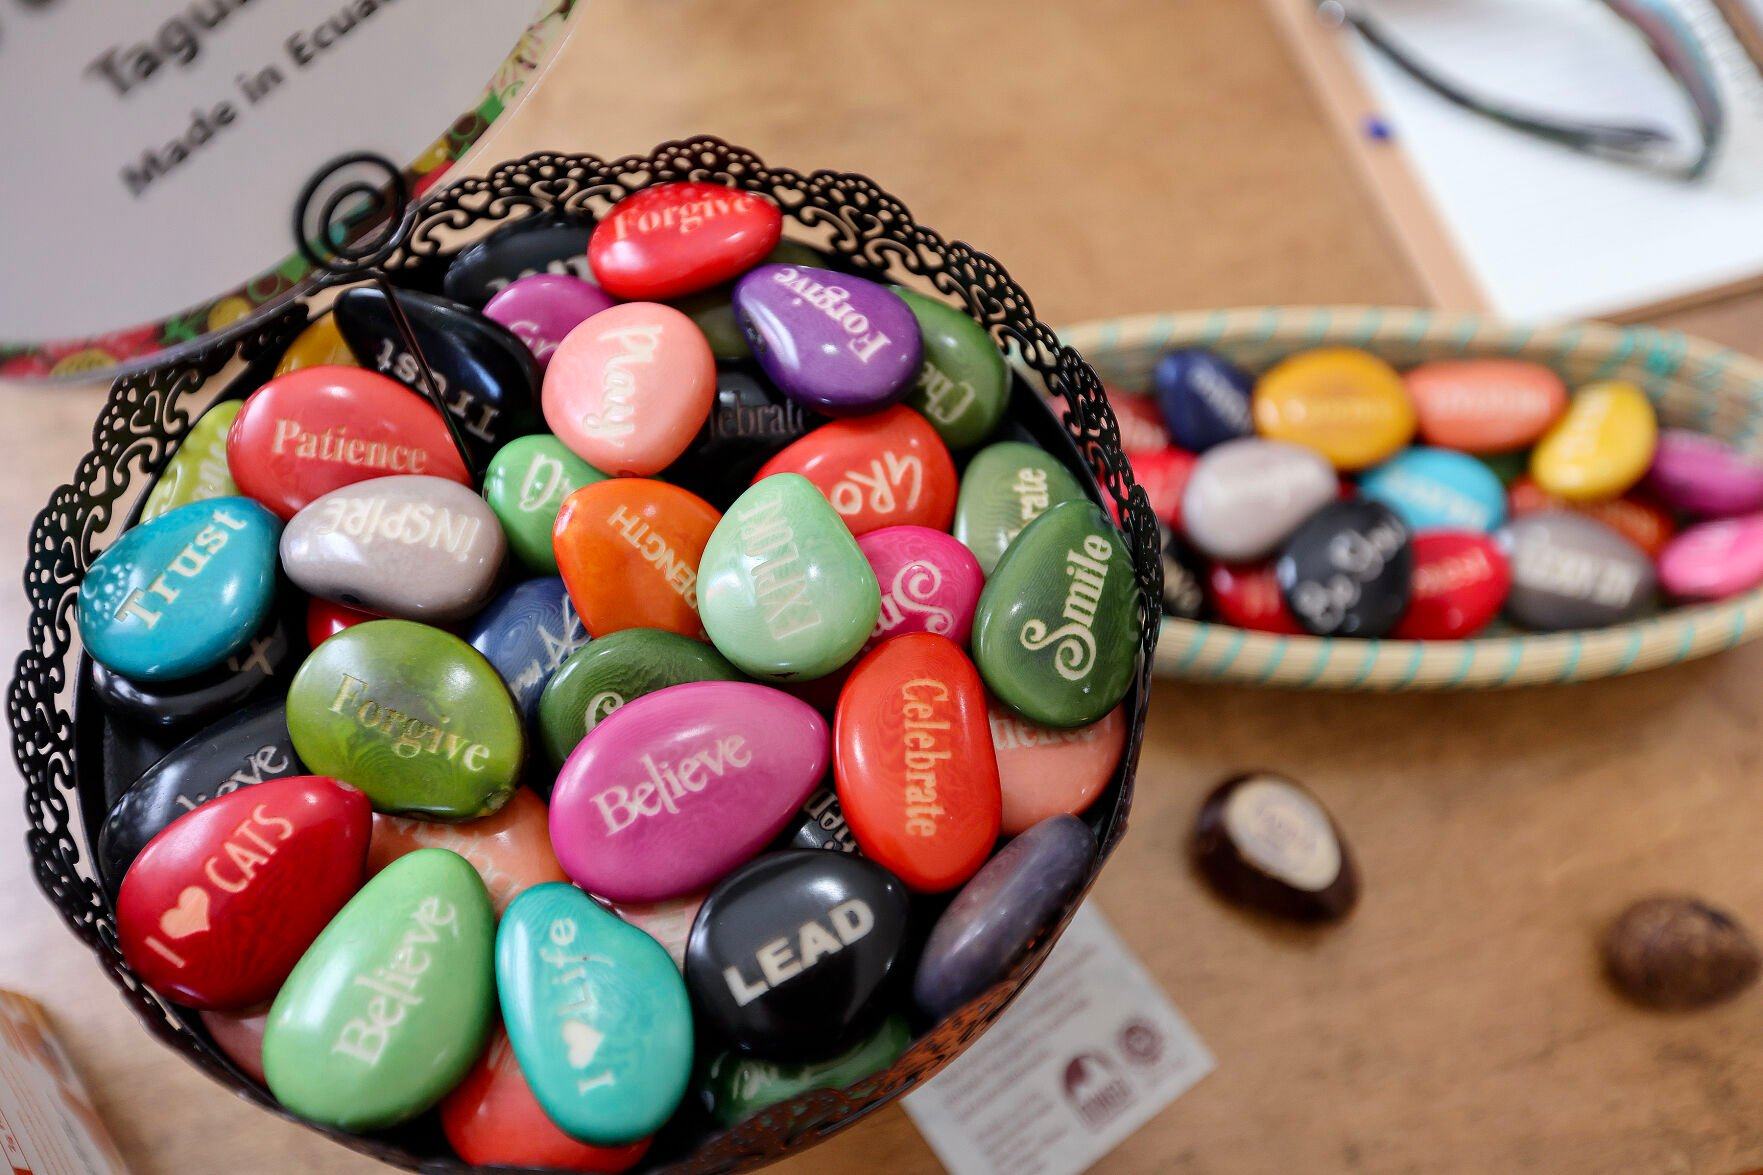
x=1095, y=1089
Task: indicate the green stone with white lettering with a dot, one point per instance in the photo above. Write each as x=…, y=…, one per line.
x=389, y=1007
x=736, y=1087
x=411, y=715
x=198, y=470
x=963, y=385
x=616, y=669
x=1056, y=633
x=525, y=485
x=1007, y=486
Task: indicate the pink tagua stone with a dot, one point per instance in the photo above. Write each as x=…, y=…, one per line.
x=629, y=388
x=930, y=582
x=1703, y=475
x=1714, y=560
x=1044, y=771
x=675, y=789
x=542, y=308
x=668, y=923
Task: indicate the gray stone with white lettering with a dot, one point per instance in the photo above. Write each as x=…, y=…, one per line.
x=1570, y=571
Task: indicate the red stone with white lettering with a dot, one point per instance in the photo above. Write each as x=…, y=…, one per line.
x=675, y=239
x=1247, y=595
x=1044, y=771
x=317, y=429
x=326, y=618
x=1460, y=582
x=889, y=469
x=220, y=905
x=1164, y=473
x=913, y=760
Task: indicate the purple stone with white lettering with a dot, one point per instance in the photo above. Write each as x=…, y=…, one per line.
x=542, y=308
x=673, y=790
x=930, y=582
x=832, y=342
x=1705, y=476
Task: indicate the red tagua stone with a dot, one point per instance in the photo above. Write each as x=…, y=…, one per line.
x=1460, y=583
x=628, y=549
x=326, y=618
x=220, y=905
x=492, y=1119
x=1141, y=425
x=1248, y=596
x=1636, y=518
x=1164, y=473
x=306, y=433
x=510, y=850
x=889, y=469
x=675, y=239
x=913, y=762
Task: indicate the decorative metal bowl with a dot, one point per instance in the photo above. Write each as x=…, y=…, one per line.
x=1693, y=384
x=73, y=770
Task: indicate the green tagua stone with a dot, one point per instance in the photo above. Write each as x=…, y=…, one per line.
x=1007, y=486
x=525, y=485
x=737, y=1087
x=784, y=591
x=411, y=715
x=198, y=470
x=964, y=385
x=616, y=669
x=1057, y=629
x=389, y=1007
x=713, y=310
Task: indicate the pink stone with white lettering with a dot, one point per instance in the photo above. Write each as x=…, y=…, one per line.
x=1714, y=560
x=930, y=582
x=1704, y=475
x=542, y=308
x=675, y=789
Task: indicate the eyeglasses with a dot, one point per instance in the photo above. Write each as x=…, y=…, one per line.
x=1670, y=39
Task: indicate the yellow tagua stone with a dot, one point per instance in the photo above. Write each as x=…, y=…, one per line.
x=1345, y=403
x=317, y=345
x=1601, y=446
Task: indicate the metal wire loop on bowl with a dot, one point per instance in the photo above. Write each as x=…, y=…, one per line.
x=353, y=214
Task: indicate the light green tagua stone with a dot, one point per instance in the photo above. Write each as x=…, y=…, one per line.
x=525, y=485
x=964, y=384
x=1006, y=487
x=783, y=589
x=389, y=1007
x=198, y=470
x=411, y=715
x=737, y=1087
x=1056, y=632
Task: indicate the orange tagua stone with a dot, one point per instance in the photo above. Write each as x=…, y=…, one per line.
x=1345, y=403
x=1485, y=405
x=913, y=761
x=511, y=850
x=887, y=469
x=1044, y=772
x=628, y=550
x=1638, y=519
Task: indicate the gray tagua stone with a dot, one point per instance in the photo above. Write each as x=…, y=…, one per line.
x=1246, y=497
x=994, y=918
x=414, y=548
x=1570, y=571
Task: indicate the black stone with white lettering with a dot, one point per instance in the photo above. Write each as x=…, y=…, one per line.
x=1184, y=592
x=749, y=422
x=1348, y=570
x=543, y=244
x=794, y=955
x=173, y=707
x=485, y=375
x=250, y=747
x=821, y=825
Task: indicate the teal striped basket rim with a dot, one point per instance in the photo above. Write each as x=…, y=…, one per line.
x=1692, y=383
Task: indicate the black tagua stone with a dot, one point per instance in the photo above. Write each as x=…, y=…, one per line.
x=821, y=825
x=1348, y=570
x=793, y=956
x=749, y=422
x=485, y=375
x=172, y=707
x=543, y=244
x=129, y=750
x=249, y=748
x=1184, y=592
x=1264, y=841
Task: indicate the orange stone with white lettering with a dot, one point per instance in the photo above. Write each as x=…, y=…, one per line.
x=1044, y=770
x=511, y=849
x=628, y=549
x=889, y=469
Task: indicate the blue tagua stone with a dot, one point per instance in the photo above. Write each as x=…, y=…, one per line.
x=182, y=593
x=597, y=1014
x=1204, y=398
x=527, y=632
x=1438, y=489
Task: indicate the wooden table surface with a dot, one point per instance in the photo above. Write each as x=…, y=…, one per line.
x=1133, y=156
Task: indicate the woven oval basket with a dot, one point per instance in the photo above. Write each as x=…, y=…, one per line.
x=1693, y=384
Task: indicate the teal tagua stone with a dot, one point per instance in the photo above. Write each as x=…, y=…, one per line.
x=525, y=485
x=198, y=470
x=1056, y=633
x=736, y=1087
x=182, y=593
x=411, y=715
x=784, y=591
x=389, y=1007
x=1007, y=486
x=616, y=669
x=963, y=384
x=597, y=1014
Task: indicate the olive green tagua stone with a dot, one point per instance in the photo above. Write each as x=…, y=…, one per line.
x=198, y=470
x=1007, y=486
x=525, y=485
x=964, y=385
x=737, y=1087
x=598, y=679
x=411, y=715
x=1056, y=632
x=389, y=1007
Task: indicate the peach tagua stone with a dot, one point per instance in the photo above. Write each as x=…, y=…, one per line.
x=1044, y=771
x=628, y=549
x=511, y=850
x=1485, y=405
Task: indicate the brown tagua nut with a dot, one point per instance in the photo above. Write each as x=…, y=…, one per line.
x=1265, y=842
x=1678, y=952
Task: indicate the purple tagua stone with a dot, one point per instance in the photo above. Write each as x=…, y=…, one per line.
x=542, y=308
x=995, y=917
x=1704, y=476
x=838, y=344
